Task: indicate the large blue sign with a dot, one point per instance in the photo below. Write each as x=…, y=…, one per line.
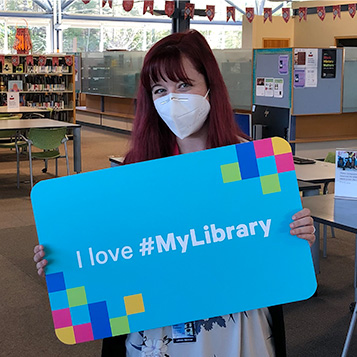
x=196, y=235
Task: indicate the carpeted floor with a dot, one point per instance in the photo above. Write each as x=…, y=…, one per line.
x=316, y=327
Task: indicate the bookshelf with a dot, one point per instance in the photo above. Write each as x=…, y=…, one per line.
x=45, y=84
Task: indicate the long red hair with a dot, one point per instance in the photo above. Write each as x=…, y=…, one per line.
x=151, y=138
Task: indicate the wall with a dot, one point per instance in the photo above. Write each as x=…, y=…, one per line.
x=317, y=33
x=255, y=32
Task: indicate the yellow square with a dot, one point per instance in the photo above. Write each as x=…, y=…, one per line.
x=66, y=335
x=134, y=304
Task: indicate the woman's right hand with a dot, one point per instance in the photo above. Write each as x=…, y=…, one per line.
x=39, y=259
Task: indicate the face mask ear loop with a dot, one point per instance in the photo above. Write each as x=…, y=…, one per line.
x=206, y=94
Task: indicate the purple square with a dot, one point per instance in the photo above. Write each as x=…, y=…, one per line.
x=83, y=333
x=62, y=318
x=263, y=148
x=284, y=162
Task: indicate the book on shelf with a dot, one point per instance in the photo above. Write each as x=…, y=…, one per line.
x=346, y=174
x=7, y=66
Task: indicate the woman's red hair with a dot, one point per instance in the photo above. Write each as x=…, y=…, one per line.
x=151, y=138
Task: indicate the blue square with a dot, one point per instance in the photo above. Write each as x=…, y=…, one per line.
x=80, y=315
x=247, y=161
x=100, y=320
x=55, y=282
x=58, y=300
x=267, y=166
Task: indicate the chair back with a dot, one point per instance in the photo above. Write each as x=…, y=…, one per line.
x=47, y=139
x=7, y=133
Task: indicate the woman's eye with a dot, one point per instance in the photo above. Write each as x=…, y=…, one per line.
x=184, y=85
x=158, y=91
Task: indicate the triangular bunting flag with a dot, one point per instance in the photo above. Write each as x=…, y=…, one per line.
x=321, y=12
x=286, y=13
x=336, y=10
x=128, y=5
x=268, y=14
x=189, y=10
x=352, y=10
x=231, y=13
x=302, y=13
x=210, y=12
x=169, y=8
x=249, y=13
x=149, y=5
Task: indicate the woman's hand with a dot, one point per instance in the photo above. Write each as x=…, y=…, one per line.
x=38, y=258
x=303, y=226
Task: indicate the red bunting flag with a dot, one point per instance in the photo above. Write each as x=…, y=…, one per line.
x=68, y=60
x=110, y=2
x=231, y=13
x=321, y=12
x=55, y=61
x=249, y=13
x=268, y=14
x=336, y=10
x=42, y=60
x=352, y=10
x=286, y=14
x=15, y=60
x=189, y=10
x=104, y=2
x=302, y=13
x=210, y=12
x=86, y=1
x=2, y=59
x=29, y=60
x=128, y=5
x=149, y=5
x=169, y=8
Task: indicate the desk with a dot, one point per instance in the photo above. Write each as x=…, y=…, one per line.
x=340, y=214
x=24, y=110
x=24, y=124
x=319, y=172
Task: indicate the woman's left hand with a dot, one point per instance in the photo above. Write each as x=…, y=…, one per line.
x=303, y=226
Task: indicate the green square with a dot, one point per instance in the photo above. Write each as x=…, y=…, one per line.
x=77, y=296
x=230, y=172
x=270, y=184
x=119, y=325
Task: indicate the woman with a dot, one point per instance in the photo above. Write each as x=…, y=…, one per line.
x=183, y=106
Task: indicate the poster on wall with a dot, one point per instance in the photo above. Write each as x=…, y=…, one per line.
x=278, y=87
x=269, y=87
x=346, y=174
x=299, y=78
x=311, y=77
x=260, y=88
x=283, y=67
x=328, y=66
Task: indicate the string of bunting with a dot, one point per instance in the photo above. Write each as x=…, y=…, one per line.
x=249, y=11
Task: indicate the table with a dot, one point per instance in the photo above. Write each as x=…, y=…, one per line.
x=24, y=124
x=338, y=213
x=319, y=172
x=23, y=109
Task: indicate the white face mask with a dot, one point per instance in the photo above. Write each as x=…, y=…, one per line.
x=184, y=114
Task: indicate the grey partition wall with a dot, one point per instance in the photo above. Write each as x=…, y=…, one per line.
x=349, y=100
x=236, y=68
x=326, y=97
x=267, y=64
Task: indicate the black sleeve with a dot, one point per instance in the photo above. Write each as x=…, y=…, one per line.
x=278, y=330
x=114, y=346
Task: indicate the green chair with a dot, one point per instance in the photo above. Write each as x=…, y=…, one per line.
x=48, y=140
x=9, y=139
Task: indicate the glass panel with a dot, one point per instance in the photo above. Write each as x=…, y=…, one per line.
x=2, y=37
x=81, y=40
x=114, y=73
x=24, y=5
x=236, y=68
x=349, y=81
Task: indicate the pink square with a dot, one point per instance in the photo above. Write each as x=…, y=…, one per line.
x=83, y=333
x=62, y=318
x=284, y=162
x=263, y=148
